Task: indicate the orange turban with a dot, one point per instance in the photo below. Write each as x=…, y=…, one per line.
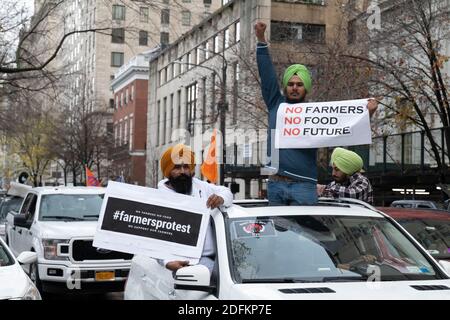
x=177, y=154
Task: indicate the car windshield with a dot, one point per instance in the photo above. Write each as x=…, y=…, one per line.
x=5, y=257
x=433, y=235
x=70, y=207
x=322, y=248
x=9, y=204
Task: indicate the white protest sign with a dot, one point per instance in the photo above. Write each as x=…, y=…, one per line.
x=151, y=222
x=323, y=124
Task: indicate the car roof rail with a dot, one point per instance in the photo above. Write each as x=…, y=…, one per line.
x=347, y=201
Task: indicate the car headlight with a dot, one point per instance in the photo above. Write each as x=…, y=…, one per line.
x=32, y=293
x=51, y=249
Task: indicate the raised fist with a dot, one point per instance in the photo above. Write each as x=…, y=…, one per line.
x=260, y=30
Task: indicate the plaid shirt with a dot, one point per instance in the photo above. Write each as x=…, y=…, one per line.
x=357, y=187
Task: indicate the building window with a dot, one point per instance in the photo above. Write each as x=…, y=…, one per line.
x=165, y=16
x=143, y=14
x=158, y=108
x=164, y=38
x=297, y=32
x=126, y=96
x=117, y=101
x=118, y=12
x=216, y=48
x=131, y=132
x=125, y=131
x=179, y=109
x=116, y=132
x=237, y=31
x=172, y=120
x=190, y=65
x=111, y=103
x=118, y=35
x=143, y=38
x=116, y=59
x=132, y=93
x=191, y=105
x=207, y=2
x=226, y=38
x=186, y=18
x=164, y=123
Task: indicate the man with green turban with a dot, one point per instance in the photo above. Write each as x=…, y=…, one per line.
x=348, y=180
x=292, y=172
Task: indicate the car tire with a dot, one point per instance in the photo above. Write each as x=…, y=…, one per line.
x=34, y=276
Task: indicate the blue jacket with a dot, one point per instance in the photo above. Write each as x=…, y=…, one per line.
x=298, y=164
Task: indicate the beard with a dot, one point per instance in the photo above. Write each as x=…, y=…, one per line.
x=181, y=184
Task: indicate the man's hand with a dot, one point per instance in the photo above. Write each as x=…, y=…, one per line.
x=175, y=265
x=260, y=30
x=372, y=106
x=214, y=201
x=320, y=189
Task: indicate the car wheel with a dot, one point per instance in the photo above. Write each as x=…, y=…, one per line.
x=34, y=276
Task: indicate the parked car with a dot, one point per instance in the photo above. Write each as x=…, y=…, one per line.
x=14, y=283
x=328, y=251
x=11, y=201
x=424, y=204
x=59, y=224
x=431, y=228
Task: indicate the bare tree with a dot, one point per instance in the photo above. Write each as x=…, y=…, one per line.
x=406, y=61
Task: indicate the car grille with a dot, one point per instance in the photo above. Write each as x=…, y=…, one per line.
x=82, y=250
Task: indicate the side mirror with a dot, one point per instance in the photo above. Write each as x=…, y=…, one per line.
x=193, y=278
x=445, y=265
x=27, y=257
x=21, y=221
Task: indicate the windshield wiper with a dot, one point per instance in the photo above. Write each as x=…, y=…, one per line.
x=343, y=279
x=276, y=280
x=63, y=218
x=91, y=216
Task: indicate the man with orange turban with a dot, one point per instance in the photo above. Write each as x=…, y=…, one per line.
x=178, y=167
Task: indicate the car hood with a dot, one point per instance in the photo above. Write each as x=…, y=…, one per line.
x=402, y=290
x=67, y=229
x=13, y=281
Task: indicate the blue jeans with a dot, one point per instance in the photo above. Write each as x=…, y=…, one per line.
x=282, y=193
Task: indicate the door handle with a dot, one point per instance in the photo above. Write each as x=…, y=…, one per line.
x=19, y=231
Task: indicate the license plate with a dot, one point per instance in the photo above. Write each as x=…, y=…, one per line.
x=104, y=275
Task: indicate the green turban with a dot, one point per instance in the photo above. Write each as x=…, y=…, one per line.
x=302, y=72
x=347, y=161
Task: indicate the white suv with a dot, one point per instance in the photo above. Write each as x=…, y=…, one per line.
x=335, y=250
x=59, y=224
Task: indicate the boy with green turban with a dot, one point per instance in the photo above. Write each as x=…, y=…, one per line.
x=348, y=180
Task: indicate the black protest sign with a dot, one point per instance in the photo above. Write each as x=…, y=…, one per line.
x=151, y=221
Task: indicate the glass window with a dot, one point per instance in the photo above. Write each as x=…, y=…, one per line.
x=164, y=38
x=118, y=35
x=5, y=258
x=143, y=14
x=118, y=12
x=186, y=18
x=143, y=38
x=70, y=207
x=323, y=248
x=297, y=32
x=165, y=16
x=432, y=234
x=116, y=59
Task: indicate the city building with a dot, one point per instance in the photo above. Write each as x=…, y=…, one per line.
x=130, y=88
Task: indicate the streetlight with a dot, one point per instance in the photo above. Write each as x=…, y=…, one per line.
x=222, y=104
